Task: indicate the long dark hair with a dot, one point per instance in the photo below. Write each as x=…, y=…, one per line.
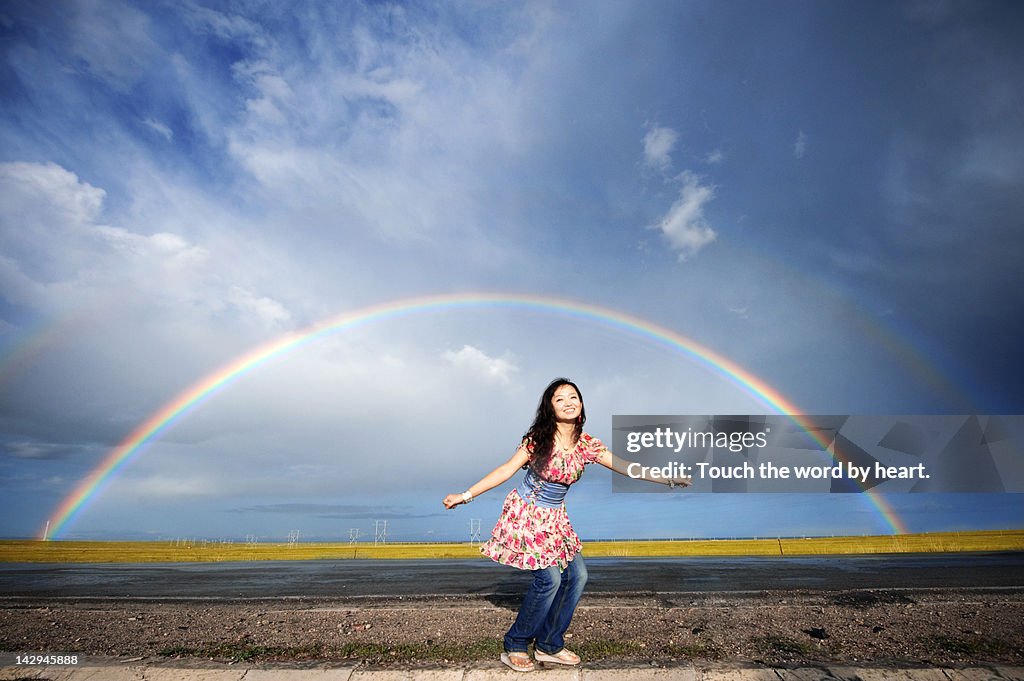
x=542, y=433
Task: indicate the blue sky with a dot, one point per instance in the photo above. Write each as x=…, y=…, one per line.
x=828, y=194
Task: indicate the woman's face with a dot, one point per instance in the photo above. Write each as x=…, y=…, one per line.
x=566, y=403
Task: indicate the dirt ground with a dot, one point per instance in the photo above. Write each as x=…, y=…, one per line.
x=879, y=627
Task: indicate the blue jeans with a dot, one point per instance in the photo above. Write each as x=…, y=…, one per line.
x=547, y=608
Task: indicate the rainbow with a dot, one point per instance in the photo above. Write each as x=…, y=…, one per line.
x=898, y=342
x=18, y=356
x=165, y=417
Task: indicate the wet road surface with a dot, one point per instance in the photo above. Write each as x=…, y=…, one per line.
x=357, y=578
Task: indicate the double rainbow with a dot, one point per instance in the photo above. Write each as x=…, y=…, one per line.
x=165, y=417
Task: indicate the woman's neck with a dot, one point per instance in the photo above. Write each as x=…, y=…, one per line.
x=565, y=430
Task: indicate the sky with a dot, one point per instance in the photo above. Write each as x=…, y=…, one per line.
x=825, y=194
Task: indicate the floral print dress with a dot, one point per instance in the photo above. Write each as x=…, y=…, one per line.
x=530, y=536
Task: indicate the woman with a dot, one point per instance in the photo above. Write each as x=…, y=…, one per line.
x=534, y=533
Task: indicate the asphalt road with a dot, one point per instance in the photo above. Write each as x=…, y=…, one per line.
x=356, y=578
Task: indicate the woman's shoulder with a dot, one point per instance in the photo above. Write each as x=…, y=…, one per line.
x=592, y=447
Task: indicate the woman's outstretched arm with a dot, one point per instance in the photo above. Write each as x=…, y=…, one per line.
x=621, y=466
x=491, y=480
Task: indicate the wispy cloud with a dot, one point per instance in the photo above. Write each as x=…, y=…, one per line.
x=269, y=311
x=112, y=40
x=375, y=132
x=684, y=224
x=38, y=450
x=658, y=145
x=159, y=128
x=800, y=146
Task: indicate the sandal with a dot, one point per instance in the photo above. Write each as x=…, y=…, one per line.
x=563, y=656
x=518, y=661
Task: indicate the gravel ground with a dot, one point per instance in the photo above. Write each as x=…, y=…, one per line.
x=880, y=627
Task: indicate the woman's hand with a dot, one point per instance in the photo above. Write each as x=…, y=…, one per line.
x=453, y=500
x=680, y=482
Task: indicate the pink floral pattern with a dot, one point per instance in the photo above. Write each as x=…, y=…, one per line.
x=531, y=537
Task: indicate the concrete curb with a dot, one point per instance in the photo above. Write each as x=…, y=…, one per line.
x=142, y=671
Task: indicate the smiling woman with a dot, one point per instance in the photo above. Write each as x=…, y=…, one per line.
x=534, y=532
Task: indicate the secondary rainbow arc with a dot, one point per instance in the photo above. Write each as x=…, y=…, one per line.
x=162, y=419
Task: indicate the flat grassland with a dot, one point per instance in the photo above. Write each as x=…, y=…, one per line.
x=33, y=551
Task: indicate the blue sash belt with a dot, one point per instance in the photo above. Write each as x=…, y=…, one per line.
x=544, y=493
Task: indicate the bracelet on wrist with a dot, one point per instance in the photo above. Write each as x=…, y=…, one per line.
x=467, y=497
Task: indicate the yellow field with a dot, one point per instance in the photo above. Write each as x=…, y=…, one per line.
x=206, y=551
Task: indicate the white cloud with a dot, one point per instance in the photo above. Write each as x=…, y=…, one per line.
x=162, y=245
x=496, y=369
x=26, y=187
x=58, y=255
x=684, y=224
x=223, y=26
x=373, y=133
x=658, y=145
x=715, y=157
x=159, y=128
x=800, y=146
x=273, y=95
x=269, y=311
x=46, y=214
x=112, y=39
